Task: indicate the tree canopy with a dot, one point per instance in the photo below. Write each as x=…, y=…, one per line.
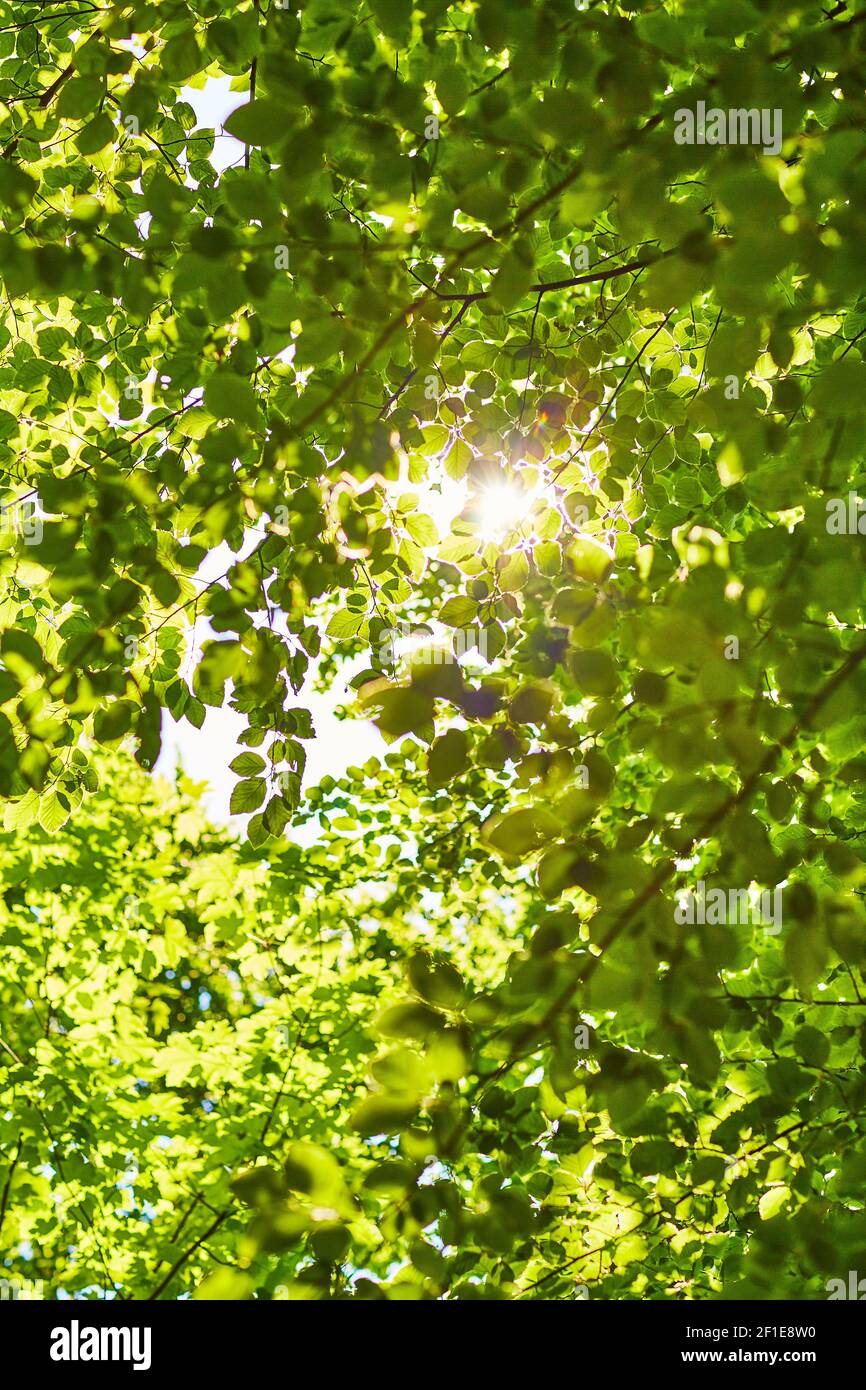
x=471, y=376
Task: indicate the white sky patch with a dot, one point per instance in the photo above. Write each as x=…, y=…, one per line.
x=213, y=104
x=205, y=753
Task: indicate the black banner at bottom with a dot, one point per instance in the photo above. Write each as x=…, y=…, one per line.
x=79, y=1341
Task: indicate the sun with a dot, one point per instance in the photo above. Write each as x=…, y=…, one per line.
x=502, y=508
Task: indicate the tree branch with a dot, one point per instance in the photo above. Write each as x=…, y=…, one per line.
x=9, y=1176
x=182, y=1259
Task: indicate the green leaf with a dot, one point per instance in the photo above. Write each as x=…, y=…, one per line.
x=258, y=122
x=53, y=811
x=590, y=560
x=16, y=187
x=96, y=134
x=519, y=832
x=346, y=624
x=458, y=459
x=422, y=529
x=459, y=611
x=247, y=795
x=247, y=764
x=404, y=712
x=448, y=757
x=231, y=397
x=80, y=96
x=653, y=1156
x=382, y=1115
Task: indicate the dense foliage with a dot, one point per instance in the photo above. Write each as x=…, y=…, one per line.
x=470, y=1043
